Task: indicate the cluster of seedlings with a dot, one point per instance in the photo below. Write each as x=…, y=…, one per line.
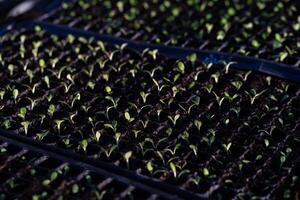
x=208, y=129
x=262, y=29
x=26, y=174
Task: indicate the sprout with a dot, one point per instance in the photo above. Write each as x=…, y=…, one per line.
x=227, y=146
x=47, y=81
x=108, y=90
x=51, y=110
x=149, y=167
x=159, y=88
x=11, y=68
x=76, y=98
x=254, y=95
x=91, y=85
x=175, y=90
x=144, y=96
x=58, y=124
x=75, y=188
x=194, y=148
x=208, y=88
x=127, y=117
x=181, y=67
x=22, y=112
x=198, y=124
x=15, y=94
x=2, y=93
x=84, y=144
x=192, y=58
x=25, y=125
x=216, y=77
x=29, y=74
x=110, y=151
x=205, y=172
x=237, y=84
x=117, y=137
x=173, y=168
x=174, y=119
x=127, y=156
x=42, y=64
x=7, y=124
x=255, y=43
x=97, y=136
x=266, y=141
x=153, y=53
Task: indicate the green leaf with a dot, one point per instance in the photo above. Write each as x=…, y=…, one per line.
x=198, y=124
x=127, y=116
x=149, y=166
x=266, y=141
x=53, y=176
x=283, y=55
x=51, y=110
x=98, y=135
x=127, y=156
x=181, y=67
x=205, y=172
x=22, y=112
x=84, y=144
x=173, y=168
x=75, y=189
x=15, y=94
x=25, y=125
x=192, y=58
x=42, y=64
x=108, y=89
x=11, y=68
x=255, y=43
x=194, y=148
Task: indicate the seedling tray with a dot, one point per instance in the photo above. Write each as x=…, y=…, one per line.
x=207, y=128
x=268, y=30
x=31, y=174
x=170, y=122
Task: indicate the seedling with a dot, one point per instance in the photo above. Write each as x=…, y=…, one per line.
x=25, y=125
x=42, y=65
x=198, y=124
x=127, y=117
x=149, y=167
x=11, y=69
x=173, y=168
x=127, y=156
x=254, y=95
x=58, y=124
x=84, y=145
x=174, y=118
x=144, y=96
x=22, y=112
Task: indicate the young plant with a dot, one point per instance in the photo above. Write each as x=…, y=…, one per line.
x=127, y=156
x=127, y=117
x=84, y=144
x=22, y=112
x=253, y=95
x=51, y=110
x=173, y=168
x=144, y=96
x=25, y=125
x=42, y=65
x=174, y=118
x=198, y=124
x=149, y=167
x=58, y=124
